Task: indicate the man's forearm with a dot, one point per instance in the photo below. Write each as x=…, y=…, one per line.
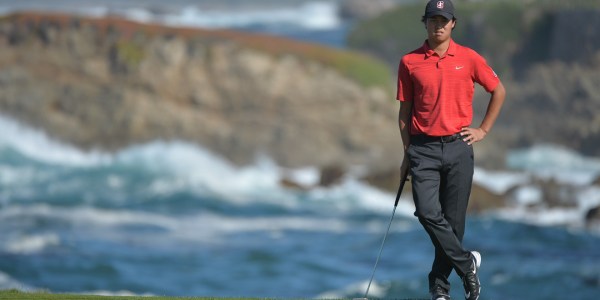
x=404, y=122
x=493, y=110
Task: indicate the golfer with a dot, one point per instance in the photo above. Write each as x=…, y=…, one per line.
x=435, y=90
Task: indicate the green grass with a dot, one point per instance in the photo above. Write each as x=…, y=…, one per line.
x=19, y=295
x=130, y=52
x=367, y=71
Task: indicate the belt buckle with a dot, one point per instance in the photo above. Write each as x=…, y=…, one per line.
x=449, y=138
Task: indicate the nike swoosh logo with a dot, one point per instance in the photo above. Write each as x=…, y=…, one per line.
x=459, y=67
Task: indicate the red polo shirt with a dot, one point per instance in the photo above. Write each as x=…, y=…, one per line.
x=442, y=88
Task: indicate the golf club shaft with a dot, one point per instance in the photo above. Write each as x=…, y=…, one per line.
x=402, y=181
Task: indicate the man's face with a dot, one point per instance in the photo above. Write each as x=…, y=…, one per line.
x=439, y=28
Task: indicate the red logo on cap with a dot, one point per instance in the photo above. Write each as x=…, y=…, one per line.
x=440, y=4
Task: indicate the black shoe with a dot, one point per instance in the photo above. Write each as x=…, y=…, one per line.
x=439, y=293
x=471, y=279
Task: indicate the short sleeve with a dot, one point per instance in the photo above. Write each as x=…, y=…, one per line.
x=405, y=85
x=483, y=74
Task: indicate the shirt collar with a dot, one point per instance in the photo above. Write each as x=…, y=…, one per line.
x=429, y=52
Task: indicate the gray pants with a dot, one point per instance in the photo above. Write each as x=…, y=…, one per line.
x=442, y=174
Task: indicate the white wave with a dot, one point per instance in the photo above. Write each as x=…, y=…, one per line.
x=352, y=194
x=310, y=15
x=499, y=182
x=181, y=166
x=177, y=165
x=588, y=198
x=7, y=283
x=197, y=227
x=85, y=215
x=528, y=206
x=556, y=162
x=189, y=167
x=38, y=146
x=138, y=14
x=121, y=293
x=201, y=227
x=569, y=217
x=528, y=195
x=315, y=15
x=376, y=290
x=306, y=177
x=13, y=176
x=32, y=244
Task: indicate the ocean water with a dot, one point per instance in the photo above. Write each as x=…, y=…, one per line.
x=171, y=218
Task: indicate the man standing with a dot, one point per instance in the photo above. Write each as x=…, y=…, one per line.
x=435, y=87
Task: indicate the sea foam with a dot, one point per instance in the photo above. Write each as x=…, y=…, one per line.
x=38, y=146
x=309, y=15
x=555, y=162
x=182, y=167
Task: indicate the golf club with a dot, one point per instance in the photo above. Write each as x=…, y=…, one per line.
x=402, y=181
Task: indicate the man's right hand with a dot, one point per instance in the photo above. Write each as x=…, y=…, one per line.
x=404, y=168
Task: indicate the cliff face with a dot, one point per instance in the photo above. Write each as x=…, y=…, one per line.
x=111, y=83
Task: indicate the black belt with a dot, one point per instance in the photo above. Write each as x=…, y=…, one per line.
x=443, y=139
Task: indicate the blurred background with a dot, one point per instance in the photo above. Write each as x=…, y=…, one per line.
x=250, y=148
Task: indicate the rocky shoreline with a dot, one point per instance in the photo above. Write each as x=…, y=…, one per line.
x=521, y=196
x=109, y=83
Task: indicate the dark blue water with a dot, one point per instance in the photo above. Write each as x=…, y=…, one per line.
x=173, y=219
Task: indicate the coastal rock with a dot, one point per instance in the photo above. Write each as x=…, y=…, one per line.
x=483, y=199
x=387, y=180
x=331, y=175
x=110, y=83
x=592, y=217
